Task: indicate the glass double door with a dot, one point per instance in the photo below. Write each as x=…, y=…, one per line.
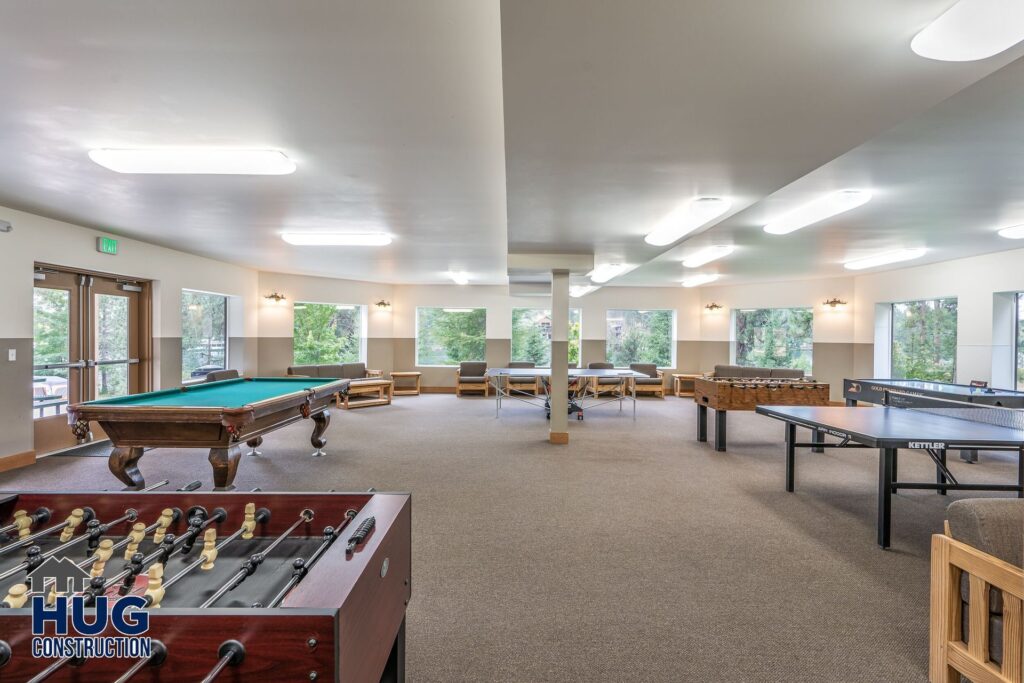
x=86, y=345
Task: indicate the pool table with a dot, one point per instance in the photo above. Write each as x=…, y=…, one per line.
x=214, y=415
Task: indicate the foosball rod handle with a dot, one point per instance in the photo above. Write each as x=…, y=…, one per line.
x=159, y=484
x=231, y=653
x=192, y=486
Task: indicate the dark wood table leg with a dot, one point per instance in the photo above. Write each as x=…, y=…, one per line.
x=225, y=464
x=123, y=462
x=940, y=476
x=321, y=421
x=702, y=422
x=790, y=456
x=720, y=429
x=886, y=456
x=253, y=444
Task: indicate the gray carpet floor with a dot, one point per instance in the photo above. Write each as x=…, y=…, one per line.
x=634, y=553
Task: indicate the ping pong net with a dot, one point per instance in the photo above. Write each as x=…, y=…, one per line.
x=960, y=410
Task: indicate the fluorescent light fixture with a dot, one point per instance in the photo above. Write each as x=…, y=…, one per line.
x=457, y=310
x=336, y=239
x=686, y=218
x=972, y=30
x=606, y=271
x=576, y=291
x=885, y=258
x=821, y=208
x=459, y=278
x=698, y=280
x=194, y=160
x=708, y=255
x=1015, y=232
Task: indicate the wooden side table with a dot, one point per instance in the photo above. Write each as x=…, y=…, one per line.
x=682, y=383
x=408, y=390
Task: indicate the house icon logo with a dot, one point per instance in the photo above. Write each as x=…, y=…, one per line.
x=63, y=574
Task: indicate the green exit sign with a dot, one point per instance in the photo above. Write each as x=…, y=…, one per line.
x=106, y=245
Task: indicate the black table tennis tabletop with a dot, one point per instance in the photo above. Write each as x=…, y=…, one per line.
x=890, y=429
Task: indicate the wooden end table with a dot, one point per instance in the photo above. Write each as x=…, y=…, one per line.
x=407, y=390
x=679, y=379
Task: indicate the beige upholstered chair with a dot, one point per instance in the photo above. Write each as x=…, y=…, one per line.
x=604, y=385
x=977, y=592
x=220, y=375
x=530, y=384
x=472, y=376
x=653, y=383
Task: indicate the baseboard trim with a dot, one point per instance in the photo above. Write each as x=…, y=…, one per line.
x=560, y=438
x=437, y=390
x=16, y=460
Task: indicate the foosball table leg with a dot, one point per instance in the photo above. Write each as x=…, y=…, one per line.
x=720, y=430
x=394, y=670
x=702, y=423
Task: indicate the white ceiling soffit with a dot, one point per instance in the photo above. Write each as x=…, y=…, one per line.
x=947, y=181
x=615, y=112
x=392, y=111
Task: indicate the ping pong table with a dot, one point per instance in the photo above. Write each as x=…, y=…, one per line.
x=908, y=421
x=579, y=382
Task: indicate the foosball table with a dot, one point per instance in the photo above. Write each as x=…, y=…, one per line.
x=723, y=394
x=239, y=586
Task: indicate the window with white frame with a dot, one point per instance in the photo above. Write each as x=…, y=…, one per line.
x=775, y=337
x=448, y=336
x=328, y=333
x=204, y=333
x=640, y=336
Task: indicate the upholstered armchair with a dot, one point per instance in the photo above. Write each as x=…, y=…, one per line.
x=653, y=383
x=472, y=376
x=605, y=385
x=530, y=384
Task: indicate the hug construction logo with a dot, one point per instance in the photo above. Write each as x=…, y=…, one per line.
x=63, y=597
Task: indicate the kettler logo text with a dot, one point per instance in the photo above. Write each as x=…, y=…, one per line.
x=925, y=445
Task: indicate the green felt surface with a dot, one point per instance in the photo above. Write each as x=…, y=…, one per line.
x=229, y=393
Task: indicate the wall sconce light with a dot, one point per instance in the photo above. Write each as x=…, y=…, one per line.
x=712, y=307
x=275, y=297
x=835, y=304
x=383, y=305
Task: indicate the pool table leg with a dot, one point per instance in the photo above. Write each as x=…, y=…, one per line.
x=321, y=421
x=253, y=444
x=225, y=464
x=123, y=462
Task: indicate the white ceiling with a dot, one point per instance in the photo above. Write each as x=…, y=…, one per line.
x=391, y=109
x=407, y=117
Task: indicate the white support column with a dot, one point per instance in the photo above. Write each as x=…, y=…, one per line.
x=559, y=357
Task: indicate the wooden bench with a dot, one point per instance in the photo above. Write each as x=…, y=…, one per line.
x=378, y=392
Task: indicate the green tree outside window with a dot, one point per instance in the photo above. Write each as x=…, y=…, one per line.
x=204, y=332
x=450, y=336
x=327, y=333
x=924, y=340
x=531, y=335
x=639, y=336
x=775, y=338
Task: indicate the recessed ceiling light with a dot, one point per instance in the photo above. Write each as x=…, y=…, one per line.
x=707, y=255
x=576, y=291
x=336, y=239
x=1015, y=232
x=698, y=280
x=606, y=271
x=885, y=258
x=459, y=277
x=194, y=160
x=972, y=30
x=686, y=218
x=457, y=310
x=817, y=210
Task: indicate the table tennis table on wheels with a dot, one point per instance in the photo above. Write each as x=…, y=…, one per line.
x=907, y=421
x=579, y=382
